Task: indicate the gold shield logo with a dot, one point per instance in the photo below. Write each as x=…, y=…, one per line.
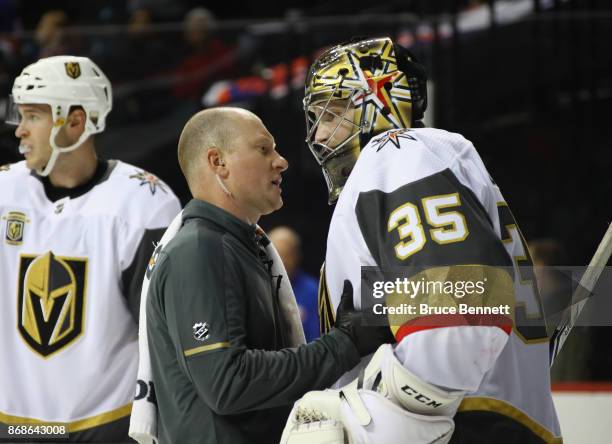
x=73, y=69
x=15, y=227
x=51, y=301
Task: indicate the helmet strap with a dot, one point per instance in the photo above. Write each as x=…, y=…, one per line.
x=50, y=164
x=56, y=150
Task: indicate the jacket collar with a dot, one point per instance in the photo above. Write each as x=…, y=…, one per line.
x=199, y=209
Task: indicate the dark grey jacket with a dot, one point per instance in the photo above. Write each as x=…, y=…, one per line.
x=216, y=337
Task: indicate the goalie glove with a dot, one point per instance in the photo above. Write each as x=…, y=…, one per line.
x=367, y=338
x=385, y=404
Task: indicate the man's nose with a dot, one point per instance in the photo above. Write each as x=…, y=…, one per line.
x=281, y=163
x=20, y=131
x=322, y=134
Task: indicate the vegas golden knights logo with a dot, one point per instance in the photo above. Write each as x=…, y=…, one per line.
x=51, y=301
x=73, y=69
x=15, y=225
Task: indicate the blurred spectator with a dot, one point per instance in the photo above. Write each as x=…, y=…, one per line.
x=305, y=286
x=547, y=254
x=574, y=361
x=139, y=62
x=140, y=22
x=144, y=53
x=165, y=10
x=54, y=37
x=205, y=57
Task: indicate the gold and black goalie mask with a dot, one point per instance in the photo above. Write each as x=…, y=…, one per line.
x=355, y=91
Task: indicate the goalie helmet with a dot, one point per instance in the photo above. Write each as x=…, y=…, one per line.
x=63, y=82
x=380, y=86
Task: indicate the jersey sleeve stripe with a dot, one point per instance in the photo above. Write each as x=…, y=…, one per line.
x=205, y=348
x=482, y=404
x=454, y=320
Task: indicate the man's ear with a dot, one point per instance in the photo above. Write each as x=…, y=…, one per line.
x=77, y=118
x=216, y=162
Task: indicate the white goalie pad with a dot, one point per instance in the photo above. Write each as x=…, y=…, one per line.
x=387, y=404
x=322, y=432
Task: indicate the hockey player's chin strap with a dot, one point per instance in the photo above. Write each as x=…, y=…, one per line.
x=57, y=150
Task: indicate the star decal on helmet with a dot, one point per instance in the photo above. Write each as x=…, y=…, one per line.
x=147, y=178
x=392, y=136
x=382, y=84
x=376, y=90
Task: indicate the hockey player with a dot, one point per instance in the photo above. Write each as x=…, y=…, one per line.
x=420, y=199
x=77, y=231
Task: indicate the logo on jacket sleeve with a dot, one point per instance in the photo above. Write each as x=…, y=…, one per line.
x=50, y=301
x=201, y=331
x=15, y=227
x=153, y=260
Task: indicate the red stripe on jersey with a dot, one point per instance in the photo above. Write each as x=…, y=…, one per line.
x=582, y=386
x=453, y=320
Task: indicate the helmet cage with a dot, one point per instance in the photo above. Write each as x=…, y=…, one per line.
x=322, y=150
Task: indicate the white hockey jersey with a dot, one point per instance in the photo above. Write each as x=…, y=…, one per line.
x=68, y=269
x=423, y=198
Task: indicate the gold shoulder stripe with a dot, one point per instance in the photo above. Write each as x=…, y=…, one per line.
x=506, y=409
x=327, y=317
x=76, y=426
x=205, y=348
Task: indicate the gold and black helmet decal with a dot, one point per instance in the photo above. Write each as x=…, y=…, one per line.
x=73, y=69
x=50, y=301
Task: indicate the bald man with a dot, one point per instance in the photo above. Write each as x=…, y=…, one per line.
x=305, y=287
x=216, y=334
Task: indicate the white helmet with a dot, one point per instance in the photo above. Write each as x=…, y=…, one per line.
x=63, y=82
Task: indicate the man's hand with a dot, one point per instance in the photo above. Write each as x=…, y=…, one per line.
x=348, y=320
